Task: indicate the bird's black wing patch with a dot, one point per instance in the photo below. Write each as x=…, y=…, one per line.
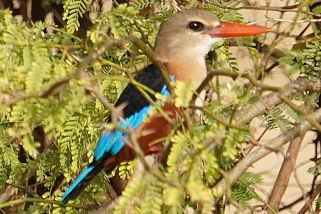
x=134, y=100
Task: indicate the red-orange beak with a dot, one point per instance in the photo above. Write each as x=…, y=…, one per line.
x=229, y=29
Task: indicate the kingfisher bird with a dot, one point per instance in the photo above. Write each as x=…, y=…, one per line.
x=181, y=44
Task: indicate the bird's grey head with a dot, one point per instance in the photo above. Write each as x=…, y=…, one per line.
x=192, y=33
x=186, y=33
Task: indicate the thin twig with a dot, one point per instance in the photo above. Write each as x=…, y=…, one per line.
x=291, y=21
x=40, y=200
x=153, y=57
x=288, y=9
x=12, y=99
x=311, y=199
x=220, y=120
x=300, y=110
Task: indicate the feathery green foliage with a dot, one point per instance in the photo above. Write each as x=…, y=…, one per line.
x=50, y=122
x=73, y=10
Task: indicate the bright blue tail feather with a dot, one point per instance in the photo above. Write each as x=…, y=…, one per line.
x=74, y=184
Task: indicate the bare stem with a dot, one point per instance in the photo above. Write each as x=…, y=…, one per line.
x=39, y=200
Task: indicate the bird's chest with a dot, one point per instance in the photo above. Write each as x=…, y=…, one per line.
x=190, y=71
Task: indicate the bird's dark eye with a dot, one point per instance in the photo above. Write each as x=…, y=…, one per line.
x=196, y=26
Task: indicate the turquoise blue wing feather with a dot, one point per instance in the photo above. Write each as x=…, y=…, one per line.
x=112, y=141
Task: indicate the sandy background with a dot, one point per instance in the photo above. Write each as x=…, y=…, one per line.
x=269, y=166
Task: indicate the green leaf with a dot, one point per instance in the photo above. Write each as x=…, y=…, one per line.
x=183, y=94
x=198, y=191
x=172, y=195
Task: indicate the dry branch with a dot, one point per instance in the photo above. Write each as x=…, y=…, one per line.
x=262, y=151
x=269, y=101
x=285, y=172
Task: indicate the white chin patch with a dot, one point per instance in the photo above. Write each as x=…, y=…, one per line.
x=204, y=47
x=215, y=40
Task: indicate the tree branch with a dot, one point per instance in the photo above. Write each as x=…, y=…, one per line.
x=259, y=153
x=285, y=171
x=267, y=102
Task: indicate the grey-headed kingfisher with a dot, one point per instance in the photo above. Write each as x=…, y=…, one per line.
x=182, y=43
